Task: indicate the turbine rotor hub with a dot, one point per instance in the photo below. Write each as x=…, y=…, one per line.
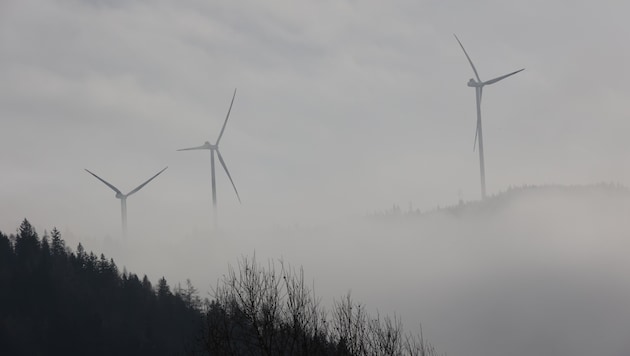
x=474, y=84
x=210, y=146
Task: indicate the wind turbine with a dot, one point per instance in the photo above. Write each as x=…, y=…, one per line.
x=478, y=85
x=123, y=197
x=215, y=149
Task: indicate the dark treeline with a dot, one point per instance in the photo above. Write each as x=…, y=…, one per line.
x=57, y=302
x=54, y=301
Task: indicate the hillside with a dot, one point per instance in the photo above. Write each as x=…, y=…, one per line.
x=57, y=302
x=539, y=267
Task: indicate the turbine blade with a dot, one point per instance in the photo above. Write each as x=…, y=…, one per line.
x=106, y=183
x=145, y=183
x=226, y=118
x=492, y=81
x=228, y=174
x=467, y=56
x=202, y=147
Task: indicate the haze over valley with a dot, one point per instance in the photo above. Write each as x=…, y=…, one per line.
x=351, y=149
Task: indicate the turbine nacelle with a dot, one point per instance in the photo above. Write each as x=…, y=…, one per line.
x=474, y=84
x=206, y=146
x=210, y=146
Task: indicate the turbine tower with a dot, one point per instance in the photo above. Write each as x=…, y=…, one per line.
x=215, y=149
x=478, y=85
x=123, y=197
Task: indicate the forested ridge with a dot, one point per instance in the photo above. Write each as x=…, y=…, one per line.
x=56, y=301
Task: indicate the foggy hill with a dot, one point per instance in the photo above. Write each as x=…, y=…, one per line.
x=547, y=195
x=54, y=301
x=532, y=268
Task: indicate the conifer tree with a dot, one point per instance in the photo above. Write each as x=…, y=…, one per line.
x=163, y=290
x=58, y=245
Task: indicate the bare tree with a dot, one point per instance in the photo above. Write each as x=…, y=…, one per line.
x=416, y=345
x=304, y=321
x=263, y=311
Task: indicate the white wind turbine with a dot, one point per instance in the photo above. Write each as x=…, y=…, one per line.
x=123, y=197
x=478, y=85
x=215, y=149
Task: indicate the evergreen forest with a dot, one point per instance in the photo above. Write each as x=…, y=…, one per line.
x=56, y=301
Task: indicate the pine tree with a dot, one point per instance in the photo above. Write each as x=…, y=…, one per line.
x=6, y=251
x=163, y=290
x=6, y=264
x=58, y=245
x=45, y=245
x=26, y=230
x=27, y=247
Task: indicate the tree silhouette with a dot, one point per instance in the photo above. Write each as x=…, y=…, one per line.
x=57, y=302
x=263, y=311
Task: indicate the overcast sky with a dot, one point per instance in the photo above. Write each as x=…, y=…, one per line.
x=343, y=109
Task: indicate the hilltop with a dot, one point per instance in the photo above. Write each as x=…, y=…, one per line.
x=513, y=195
